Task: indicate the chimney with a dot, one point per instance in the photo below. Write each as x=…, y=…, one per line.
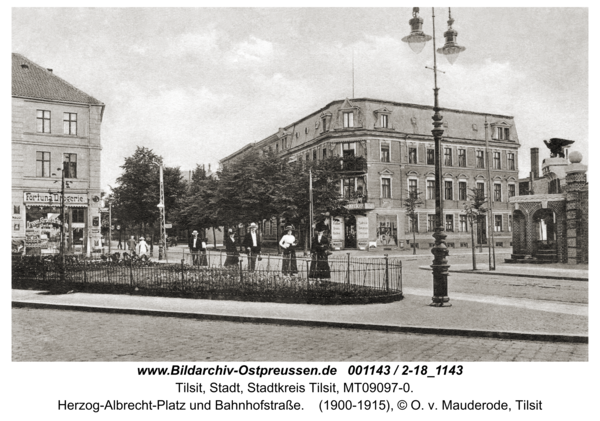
x=50, y=70
x=535, y=162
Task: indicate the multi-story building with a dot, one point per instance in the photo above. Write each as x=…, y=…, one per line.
x=55, y=128
x=394, y=151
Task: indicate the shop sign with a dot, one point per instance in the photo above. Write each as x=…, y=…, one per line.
x=360, y=206
x=362, y=228
x=168, y=225
x=36, y=198
x=47, y=222
x=33, y=238
x=337, y=229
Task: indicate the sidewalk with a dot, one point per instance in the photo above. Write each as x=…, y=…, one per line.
x=529, y=271
x=469, y=315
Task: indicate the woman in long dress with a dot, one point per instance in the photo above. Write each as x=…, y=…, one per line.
x=142, y=247
x=231, y=249
x=288, y=243
x=319, y=266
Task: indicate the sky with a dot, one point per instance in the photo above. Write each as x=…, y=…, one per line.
x=196, y=84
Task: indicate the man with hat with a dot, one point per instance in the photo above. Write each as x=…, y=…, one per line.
x=252, y=245
x=195, y=244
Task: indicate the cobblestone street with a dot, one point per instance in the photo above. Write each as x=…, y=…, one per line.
x=59, y=335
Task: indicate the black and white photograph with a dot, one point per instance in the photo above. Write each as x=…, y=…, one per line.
x=396, y=194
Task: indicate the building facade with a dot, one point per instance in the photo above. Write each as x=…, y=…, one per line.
x=394, y=151
x=55, y=129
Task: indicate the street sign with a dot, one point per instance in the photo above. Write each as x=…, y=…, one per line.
x=168, y=226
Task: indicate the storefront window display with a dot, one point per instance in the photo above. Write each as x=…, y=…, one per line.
x=42, y=230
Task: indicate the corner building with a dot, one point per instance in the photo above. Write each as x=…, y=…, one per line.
x=54, y=126
x=394, y=148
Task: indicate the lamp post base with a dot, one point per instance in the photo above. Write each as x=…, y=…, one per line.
x=440, y=302
x=160, y=252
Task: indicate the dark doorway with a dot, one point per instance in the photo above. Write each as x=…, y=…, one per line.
x=350, y=232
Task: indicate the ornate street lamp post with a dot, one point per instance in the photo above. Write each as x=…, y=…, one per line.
x=416, y=40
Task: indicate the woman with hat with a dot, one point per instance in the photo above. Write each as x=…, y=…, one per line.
x=288, y=243
x=142, y=247
x=231, y=249
x=319, y=266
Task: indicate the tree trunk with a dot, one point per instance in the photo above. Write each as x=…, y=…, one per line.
x=473, y=247
x=414, y=238
x=215, y=236
x=479, y=223
x=278, y=221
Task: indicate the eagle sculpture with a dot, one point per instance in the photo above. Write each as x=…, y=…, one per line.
x=556, y=146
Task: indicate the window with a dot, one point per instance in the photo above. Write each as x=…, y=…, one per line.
x=384, y=121
x=448, y=190
x=43, y=121
x=16, y=209
x=348, y=149
x=77, y=215
x=462, y=190
x=480, y=160
x=430, y=223
x=502, y=133
x=307, y=157
x=510, y=222
x=277, y=148
x=413, y=224
x=42, y=164
x=464, y=227
x=511, y=161
x=386, y=191
x=448, y=157
x=412, y=155
x=430, y=157
x=385, y=152
x=324, y=123
x=70, y=165
x=70, y=123
x=324, y=153
x=497, y=165
x=511, y=190
x=430, y=193
x=497, y=193
x=349, y=187
x=462, y=157
x=349, y=119
x=449, y=222
x=314, y=155
x=412, y=186
x=498, y=223
x=481, y=188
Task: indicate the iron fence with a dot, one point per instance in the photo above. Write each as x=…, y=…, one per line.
x=348, y=280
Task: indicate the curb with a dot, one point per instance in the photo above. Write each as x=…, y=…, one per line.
x=514, y=275
x=522, y=336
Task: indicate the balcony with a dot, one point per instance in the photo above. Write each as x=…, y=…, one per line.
x=353, y=164
x=358, y=201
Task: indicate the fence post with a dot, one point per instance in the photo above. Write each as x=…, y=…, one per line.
x=387, y=284
x=307, y=274
x=348, y=272
x=241, y=272
x=220, y=258
x=84, y=272
x=182, y=279
x=43, y=271
x=131, y=271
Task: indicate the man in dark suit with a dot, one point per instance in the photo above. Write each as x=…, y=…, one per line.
x=252, y=245
x=195, y=244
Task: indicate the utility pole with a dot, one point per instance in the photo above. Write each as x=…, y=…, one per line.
x=310, y=211
x=491, y=245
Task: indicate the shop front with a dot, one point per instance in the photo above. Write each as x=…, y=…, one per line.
x=43, y=222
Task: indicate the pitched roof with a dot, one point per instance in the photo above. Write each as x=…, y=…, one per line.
x=31, y=80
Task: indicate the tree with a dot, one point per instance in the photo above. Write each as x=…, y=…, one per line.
x=475, y=210
x=411, y=204
x=138, y=191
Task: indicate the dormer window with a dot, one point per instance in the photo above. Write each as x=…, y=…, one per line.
x=383, y=122
x=348, y=119
x=502, y=133
x=501, y=130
